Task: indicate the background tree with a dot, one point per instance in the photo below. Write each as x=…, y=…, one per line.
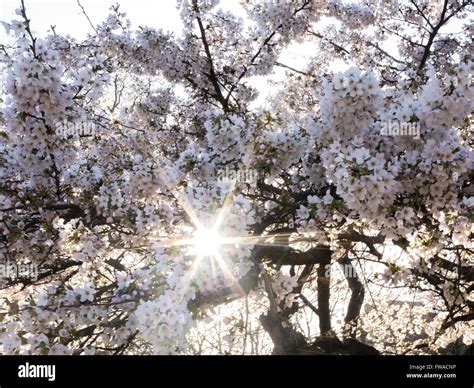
x=344, y=241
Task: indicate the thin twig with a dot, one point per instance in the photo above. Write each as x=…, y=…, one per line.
x=85, y=14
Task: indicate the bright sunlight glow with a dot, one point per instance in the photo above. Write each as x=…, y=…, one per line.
x=206, y=242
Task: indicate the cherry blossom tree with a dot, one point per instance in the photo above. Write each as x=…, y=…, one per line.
x=332, y=236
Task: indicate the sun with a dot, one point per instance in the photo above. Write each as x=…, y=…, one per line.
x=206, y=242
